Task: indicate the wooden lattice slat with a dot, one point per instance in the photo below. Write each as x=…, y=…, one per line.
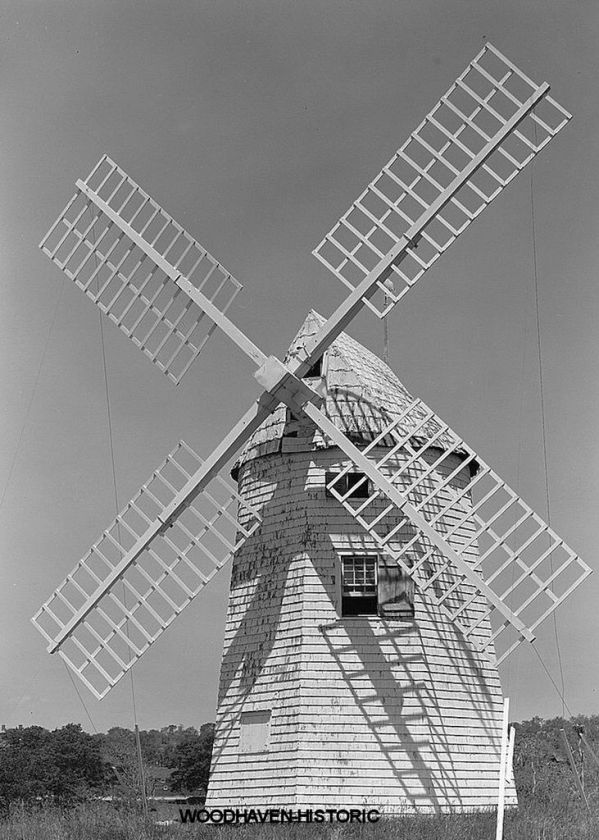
x=480, y=134
x=167, y=294
x=126, y=253
x=514, y=552
x=101, y=632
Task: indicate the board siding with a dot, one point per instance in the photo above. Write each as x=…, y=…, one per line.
x=396, y=715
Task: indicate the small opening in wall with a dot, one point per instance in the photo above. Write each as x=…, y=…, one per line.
x=315, y=371
x=291, y=428
x=356, y=482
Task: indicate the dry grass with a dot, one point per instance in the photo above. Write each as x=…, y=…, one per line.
x=103, y=822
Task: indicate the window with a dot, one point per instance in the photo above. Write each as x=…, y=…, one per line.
x=255, y=731
x=375, y=585
x=358, y=585
x=292, y=425
x=355, y=481
x=315, y=371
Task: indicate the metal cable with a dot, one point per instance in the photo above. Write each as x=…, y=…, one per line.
x=543, y=418
x=112, y=462
x=560, y=693
x=68, y=670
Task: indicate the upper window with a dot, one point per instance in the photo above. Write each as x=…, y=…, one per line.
x=357, y=482
x=291, y=427
x=375, y=585
x=315, y=371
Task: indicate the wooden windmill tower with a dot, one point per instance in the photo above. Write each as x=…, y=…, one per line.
x=382, y=570
x=341, y=683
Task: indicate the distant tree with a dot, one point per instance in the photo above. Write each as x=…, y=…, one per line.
x=191, y=765
x=77, y=761
x=173, y=735
x=68, y=764
x=64, y=765
x=159, y=749
x=541, y=767
x=119, y=753
x=25, y=767
x=153, y=745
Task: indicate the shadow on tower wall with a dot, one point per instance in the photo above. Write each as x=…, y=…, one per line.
x=269, y=566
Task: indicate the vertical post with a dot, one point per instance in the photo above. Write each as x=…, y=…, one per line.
x=574, y=769
x=142, y=776
x=502, y=769
x=579, y=729
x=509, y=770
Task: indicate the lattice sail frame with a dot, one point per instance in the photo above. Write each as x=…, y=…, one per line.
x=136, y=290
x=146, y=596
x=515, y=553
x=467, y=120
x=162, y=288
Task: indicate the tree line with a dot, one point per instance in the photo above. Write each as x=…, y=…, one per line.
x=68, y=765
x=541, y=767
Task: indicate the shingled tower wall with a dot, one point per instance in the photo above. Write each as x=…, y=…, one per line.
x=320, y=710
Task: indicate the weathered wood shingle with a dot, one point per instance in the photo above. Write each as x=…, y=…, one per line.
x=396, y=715
x=363, y=396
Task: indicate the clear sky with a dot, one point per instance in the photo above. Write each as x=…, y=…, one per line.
x=256, y=125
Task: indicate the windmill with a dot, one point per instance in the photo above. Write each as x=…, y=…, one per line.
x=436, y=567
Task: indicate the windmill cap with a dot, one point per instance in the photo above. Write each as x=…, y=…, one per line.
x=363, y=396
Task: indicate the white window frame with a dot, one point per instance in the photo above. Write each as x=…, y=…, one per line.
x=374, y=555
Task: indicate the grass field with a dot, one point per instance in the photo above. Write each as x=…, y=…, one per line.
x=103, y=822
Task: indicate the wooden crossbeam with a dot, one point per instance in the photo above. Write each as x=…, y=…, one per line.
x=219, y=318
x=366, y=466
x=355, y=240
x=284, y=383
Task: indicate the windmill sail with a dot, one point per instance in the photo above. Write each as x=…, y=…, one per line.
x=167, y=294
x=128, y=255
x=118, y=599
x=491, y=122
x=522, y=568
